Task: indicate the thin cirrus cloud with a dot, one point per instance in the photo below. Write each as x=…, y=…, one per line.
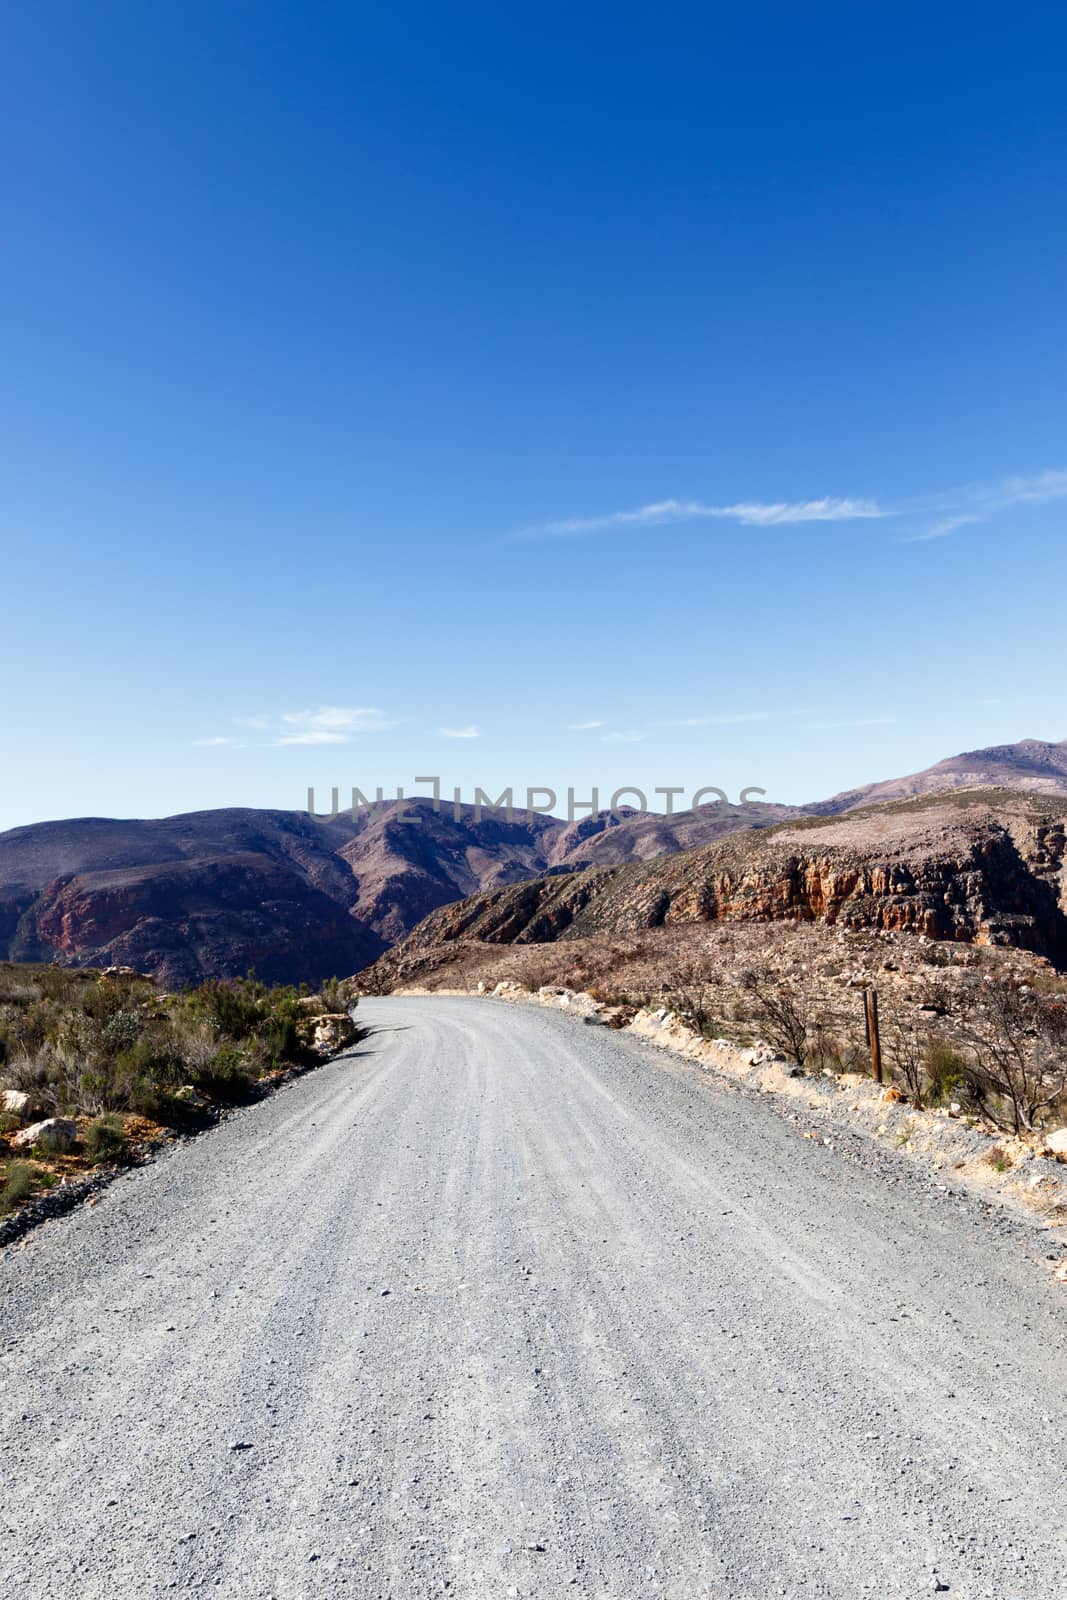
x=982, y=502
x=469, y=732
x=1040, y=489
x=214, y=742
x=329, y=725
x=624, y=736
x=942, y=528
x=585, y=727
x=317, y=725
x=750, y=513
x=951, y=510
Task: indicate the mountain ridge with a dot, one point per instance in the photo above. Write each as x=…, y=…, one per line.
x=1035, y=765
x=211, y=893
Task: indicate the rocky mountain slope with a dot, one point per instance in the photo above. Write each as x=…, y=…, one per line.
x=1032, y=765
x=981, y=866
x=214, y=892
x=209, y=894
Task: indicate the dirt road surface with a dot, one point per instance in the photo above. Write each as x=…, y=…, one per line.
x=507, y=1306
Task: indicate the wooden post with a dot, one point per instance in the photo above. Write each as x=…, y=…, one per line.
x=874, y=1041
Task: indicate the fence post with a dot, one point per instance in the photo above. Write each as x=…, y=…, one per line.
x=874, y=1041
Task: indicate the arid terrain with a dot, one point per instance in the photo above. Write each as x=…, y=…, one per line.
x=213, y=893
x=1033, y=765
x=983, y=867
x=951, y=908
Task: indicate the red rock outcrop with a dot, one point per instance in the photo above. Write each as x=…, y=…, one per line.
x=987, y=868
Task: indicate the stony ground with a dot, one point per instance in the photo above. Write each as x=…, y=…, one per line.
x=932, y=987
x=509, y=1306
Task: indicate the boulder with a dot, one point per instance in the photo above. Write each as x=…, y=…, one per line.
x=191, y=1096
x=1056, y=1143
x=16, y=1103
x=54, y=1133
x=334, y=1031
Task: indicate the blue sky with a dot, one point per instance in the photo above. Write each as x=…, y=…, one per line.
x=645, y=395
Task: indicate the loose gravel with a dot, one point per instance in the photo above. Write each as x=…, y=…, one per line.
x=502, y=1306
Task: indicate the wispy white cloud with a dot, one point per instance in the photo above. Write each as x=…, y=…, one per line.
x=982, y=502
x=584, y=727
x=469, y=732
x=951, y=509
x=338, y=719
x=318, y=724
x=630, y=736
x=1039, y=489
x=312, y=736
x=724, y=720
x=942, y=528
x=751, y=513
x=213, y=742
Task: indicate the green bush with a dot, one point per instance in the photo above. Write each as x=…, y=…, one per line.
x=87, y=1045
x=945, y=1069
x=226, y=1079
x=105, y=1139
x=15, y=1186
x=234, y=1009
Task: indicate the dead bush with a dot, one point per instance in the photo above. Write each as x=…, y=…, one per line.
x=687, y=992
x=781, y=1011
x=1017, y=1071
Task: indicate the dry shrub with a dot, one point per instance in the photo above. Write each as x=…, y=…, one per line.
x=1017, y=1073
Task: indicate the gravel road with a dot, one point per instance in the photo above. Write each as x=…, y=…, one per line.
x=503, y=1305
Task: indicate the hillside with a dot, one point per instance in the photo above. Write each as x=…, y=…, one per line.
x=983, y=866
x=1032, y=765
x=212, y=893
x=209, y=894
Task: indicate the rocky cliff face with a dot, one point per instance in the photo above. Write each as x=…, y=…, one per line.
x=204, y=895
x=987, y=868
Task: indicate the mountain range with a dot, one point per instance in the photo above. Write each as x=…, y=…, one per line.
x=213, y=893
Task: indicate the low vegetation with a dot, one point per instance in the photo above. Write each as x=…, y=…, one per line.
x=983, y=1029
x=117, y=1062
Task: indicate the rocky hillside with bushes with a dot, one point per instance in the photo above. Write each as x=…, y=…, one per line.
x=978, y=1030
